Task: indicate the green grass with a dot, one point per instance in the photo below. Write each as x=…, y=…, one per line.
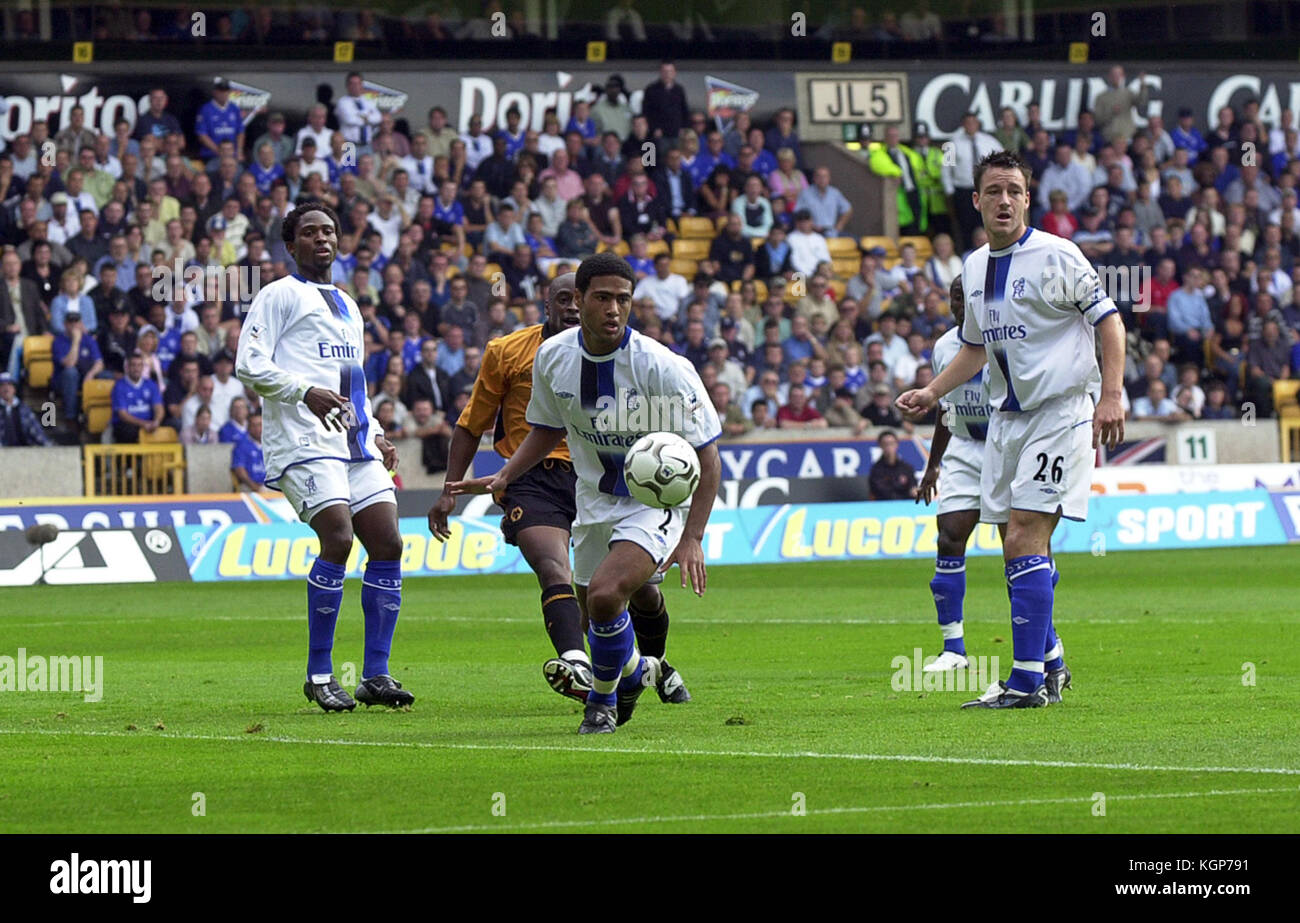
x=790, y=667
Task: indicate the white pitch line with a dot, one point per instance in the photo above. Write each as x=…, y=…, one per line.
x=873, y=809
x=685, y=619
x=647, y=751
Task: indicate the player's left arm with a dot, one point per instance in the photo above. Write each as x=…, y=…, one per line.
x=938, y=445
x=1108, y=418
x=1099, y=310
x=689, y=553
x=388, y=450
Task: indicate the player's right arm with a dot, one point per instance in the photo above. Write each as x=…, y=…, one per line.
x=938, y=445
x=547, y=432
x=255, y=365
x=483, y=407
x=969, y=360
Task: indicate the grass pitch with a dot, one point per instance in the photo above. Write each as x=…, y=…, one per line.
x=796, y=725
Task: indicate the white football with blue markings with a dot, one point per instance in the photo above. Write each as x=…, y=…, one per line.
x=661, y=470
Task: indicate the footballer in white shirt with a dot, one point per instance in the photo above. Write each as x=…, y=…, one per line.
x=1034, y=306
x=956, y=460
x=619, y=543
x=303, y=337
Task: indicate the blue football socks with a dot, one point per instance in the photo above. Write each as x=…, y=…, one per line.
x=324, y=597
x=1030, y=580
x=381, y=602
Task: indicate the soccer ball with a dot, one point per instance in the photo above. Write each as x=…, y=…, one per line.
x=661, y=470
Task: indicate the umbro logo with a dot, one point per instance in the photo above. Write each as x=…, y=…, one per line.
x=564, y=395
x=1019, y=620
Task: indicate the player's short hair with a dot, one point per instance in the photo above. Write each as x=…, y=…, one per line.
x=289, y=230
x=602, y=264
x=1008, y=160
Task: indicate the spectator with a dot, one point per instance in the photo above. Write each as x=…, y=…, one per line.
x=787, y=181
x=247, y=465
x=1217, y=406
x=219, y=120
x=76, y=359
x=236, y=426
x=1189, y=318
x=18, y=424
x=664, y=104
x=808, y=247
x=893, y=158
x=451, y=351
x=1267, y=359
x=200, y=432
x=734, y=421
x=754, y=211
x=890, y=477
x=665, y=288
x=829, y=208
x=969, y=146
x=71, y=300
x=766, y=392
x=427, y=381
x=21, y=312
x=1156, y=406
x=1114, y=108
x=782, y=136
x=433, y=431
x=611, y=112
x=798, y=413
x=1067, y=176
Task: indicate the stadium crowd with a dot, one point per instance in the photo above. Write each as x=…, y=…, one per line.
x=744, y=266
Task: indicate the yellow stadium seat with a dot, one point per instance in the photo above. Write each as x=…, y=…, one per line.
x=845, y=267
x=655, y=247
x=97, y=401
x=891, y=249
x=38, y=360
x=692, y=226
x=760, y=290
x=687, y=268
x=843, y=248
x=719, y=223
x=924, y=250
x=1284, y=396
x=161, y=434
x=757, y=241
x=621, y=248
x=453, y=272
x=490, y=269
x=690, y=249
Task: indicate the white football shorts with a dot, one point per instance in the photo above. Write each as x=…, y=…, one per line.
x=1039, y=460
x=622, y=519
x=959, y=475
x=314, y=485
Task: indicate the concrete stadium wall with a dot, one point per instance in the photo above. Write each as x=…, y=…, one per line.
x=43, y=471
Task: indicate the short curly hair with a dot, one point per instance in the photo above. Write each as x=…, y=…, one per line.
x=289, y=230
x=602, y=264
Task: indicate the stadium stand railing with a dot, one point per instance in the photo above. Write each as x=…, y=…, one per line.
x=146, y=469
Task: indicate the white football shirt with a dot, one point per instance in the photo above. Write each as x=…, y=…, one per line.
x=1033, y=306
x=299, y=335
x=606, y=403
x=967, y=405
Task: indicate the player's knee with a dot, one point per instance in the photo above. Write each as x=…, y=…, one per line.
x=387, y=548
x=646, y=597
x=552, y=570
x=604, y=602
x=336, y=544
